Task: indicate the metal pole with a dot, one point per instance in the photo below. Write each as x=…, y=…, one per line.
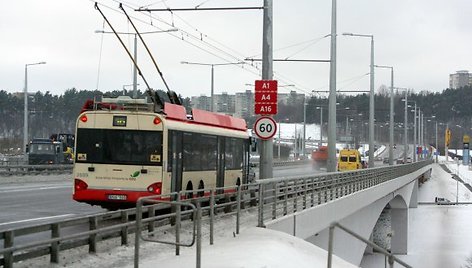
x=422, y=133
x=135, y=71
x=446, y=148
x=25, y=120
x=331, y=165
x=198, y=221
x=321, y=127
x=266, y=162
x=392, y=123
x=371, y=106
x=304, y=127
x=405, y=151
x=212, y=88
x=436, y=141
x=330, y=245
x=415, y=137
x=278, y=142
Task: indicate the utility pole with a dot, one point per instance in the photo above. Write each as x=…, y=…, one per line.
x=405, y=150
x=331, y=165
x=266, y=162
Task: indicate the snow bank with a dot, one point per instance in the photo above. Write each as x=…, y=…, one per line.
x=255, y=247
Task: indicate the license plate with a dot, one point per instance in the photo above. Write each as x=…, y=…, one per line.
x=117, y=197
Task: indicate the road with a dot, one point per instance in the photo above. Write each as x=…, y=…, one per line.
x=28, y=200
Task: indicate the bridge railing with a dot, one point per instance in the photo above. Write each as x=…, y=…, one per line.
x=391, y=258
x=273, y=198
x=282, y=196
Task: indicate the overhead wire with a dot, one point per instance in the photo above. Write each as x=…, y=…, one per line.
x=210, y=45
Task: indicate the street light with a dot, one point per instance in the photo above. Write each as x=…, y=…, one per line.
x=390, y=148
x=25, y=121
x=135, y=71
x=435, y=134
x=212, y=74
x=371, y=99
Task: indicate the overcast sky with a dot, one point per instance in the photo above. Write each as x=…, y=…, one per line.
x=425, y=41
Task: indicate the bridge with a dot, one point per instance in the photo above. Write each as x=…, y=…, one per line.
x=303, y=206
x=353, y=199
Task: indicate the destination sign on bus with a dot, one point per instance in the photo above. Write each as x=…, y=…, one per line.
x=119, y=121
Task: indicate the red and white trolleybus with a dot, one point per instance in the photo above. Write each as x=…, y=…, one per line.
x=126, y=150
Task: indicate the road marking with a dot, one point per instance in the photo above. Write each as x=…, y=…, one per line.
x=37, y=219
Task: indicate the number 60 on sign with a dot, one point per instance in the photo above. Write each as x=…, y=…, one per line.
x=265, y=127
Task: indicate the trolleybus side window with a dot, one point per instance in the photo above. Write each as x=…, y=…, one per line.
x=119, y=147
x=234, y=153
x=200, y=152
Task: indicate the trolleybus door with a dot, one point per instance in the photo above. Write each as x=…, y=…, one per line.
x=220, y=167
x=175, y=142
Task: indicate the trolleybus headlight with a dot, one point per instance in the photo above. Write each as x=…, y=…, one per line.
x=155, y=188
x=83, y=118
x=80, y=185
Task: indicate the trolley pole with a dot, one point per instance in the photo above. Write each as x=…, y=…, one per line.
x=266, y=162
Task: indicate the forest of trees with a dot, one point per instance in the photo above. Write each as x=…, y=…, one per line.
x=50, y=114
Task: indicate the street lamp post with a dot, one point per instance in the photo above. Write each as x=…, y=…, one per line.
x=25, y=121
x=321, y=125
x=371, y=99
x=405, y=126
x=429, y=119
x=391, y=125
x=304, y=127
x=212, y=75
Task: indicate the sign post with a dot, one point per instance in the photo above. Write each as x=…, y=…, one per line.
x=265, y=104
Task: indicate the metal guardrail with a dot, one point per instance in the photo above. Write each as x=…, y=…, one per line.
x=9, y=170
x=391, y=258
x=285, y=163
x=273, y=198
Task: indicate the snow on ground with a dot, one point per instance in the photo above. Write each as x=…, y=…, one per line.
x=255, y=247
x=35, y=178
x=252, y=248
x=439, y=236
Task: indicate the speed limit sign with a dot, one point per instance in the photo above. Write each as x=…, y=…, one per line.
x=265, y=127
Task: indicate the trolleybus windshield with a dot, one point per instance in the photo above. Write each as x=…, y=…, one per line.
x=129, y=147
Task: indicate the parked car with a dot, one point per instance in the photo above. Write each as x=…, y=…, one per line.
x=385, y=160
x=442, y=201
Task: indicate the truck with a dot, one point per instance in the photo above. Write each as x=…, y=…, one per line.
x=44, y=151
x=320, y=157
x=57, y=149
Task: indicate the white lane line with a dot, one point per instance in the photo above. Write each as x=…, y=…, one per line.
x=37, y=219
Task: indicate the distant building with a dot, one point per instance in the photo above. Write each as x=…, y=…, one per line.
x=244, y=104
x=224, y=103
x=201, y=102
x=460, y=79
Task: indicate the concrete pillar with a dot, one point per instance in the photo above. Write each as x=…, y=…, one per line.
x=399, y=242
x=414, y=196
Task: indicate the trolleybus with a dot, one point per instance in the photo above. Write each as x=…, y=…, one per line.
x=126, y=150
